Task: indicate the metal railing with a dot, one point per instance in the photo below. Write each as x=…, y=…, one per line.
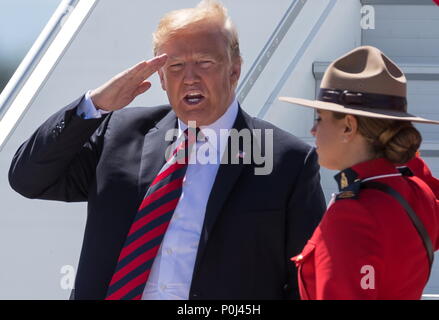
x=35, y=54
x=299, y=55
x=270, y=47
x=39, y=62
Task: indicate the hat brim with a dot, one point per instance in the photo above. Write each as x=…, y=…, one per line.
x=358, y=111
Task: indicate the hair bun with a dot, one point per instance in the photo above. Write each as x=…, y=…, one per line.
x=400, y=142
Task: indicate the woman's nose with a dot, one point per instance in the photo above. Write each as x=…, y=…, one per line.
x=314, y=130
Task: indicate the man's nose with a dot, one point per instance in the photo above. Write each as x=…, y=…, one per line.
x=191, y=75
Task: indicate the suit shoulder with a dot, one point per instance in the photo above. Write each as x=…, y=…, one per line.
x=145, y=112
x=139, y=116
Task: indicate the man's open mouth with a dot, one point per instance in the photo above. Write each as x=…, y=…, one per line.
x=194, y=98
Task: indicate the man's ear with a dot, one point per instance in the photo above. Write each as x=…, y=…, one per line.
x=350, y=127
x=162, y=79
x=235, y=73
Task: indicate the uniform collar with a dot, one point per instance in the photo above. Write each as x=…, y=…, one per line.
x=369, y=169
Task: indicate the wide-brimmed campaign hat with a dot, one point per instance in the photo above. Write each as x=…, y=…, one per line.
x=365, y=83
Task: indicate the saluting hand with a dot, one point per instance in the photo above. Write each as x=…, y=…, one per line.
x=121, y=90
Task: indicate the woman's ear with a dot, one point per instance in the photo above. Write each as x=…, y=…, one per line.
x=350, y=127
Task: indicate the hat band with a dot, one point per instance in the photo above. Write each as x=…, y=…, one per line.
x=360, y=99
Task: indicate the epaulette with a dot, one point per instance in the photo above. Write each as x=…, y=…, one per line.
x=351, y=192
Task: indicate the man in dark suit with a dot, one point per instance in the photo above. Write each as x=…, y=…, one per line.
x=232, y=231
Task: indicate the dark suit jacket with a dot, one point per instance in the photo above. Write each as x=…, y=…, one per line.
x=253, y=224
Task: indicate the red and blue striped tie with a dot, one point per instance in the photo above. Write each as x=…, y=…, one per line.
x=150, y=224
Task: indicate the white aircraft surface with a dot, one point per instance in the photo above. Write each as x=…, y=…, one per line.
x=286, y=46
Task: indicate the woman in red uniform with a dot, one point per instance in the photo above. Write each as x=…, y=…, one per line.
x=367, y=246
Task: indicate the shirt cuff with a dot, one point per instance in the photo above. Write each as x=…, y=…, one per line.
x=87, y=110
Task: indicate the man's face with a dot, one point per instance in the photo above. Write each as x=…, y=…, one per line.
x=199, y=76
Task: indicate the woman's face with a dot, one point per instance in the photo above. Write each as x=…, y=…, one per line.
x=330, y=139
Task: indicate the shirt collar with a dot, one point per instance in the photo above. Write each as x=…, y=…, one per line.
x=225, y=122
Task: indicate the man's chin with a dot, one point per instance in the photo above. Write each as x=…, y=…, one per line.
x=195, y=119
x=195, y=114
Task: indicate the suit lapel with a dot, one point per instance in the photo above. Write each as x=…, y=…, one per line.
x=153, y=152
x=225, y=181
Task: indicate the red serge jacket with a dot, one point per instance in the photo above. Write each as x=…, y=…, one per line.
x=366, y=246
x=421, y=170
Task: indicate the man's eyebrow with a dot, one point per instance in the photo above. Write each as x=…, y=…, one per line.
x=196, y=56
x=206, y=55
x=174, y=58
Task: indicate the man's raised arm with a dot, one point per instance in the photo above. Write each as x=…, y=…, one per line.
x=60, y=159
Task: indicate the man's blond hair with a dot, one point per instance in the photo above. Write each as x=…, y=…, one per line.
x=210, y=11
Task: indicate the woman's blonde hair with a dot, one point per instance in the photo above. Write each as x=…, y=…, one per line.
x=210, y=11
x=397, y=141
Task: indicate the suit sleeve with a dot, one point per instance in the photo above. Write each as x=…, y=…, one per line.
x=59, y=160
x=305, y=210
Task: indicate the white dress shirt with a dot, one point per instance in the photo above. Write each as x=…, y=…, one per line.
x=171, y=273
x=87, y=110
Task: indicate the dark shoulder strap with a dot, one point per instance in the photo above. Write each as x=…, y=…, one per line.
x=411, y=213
